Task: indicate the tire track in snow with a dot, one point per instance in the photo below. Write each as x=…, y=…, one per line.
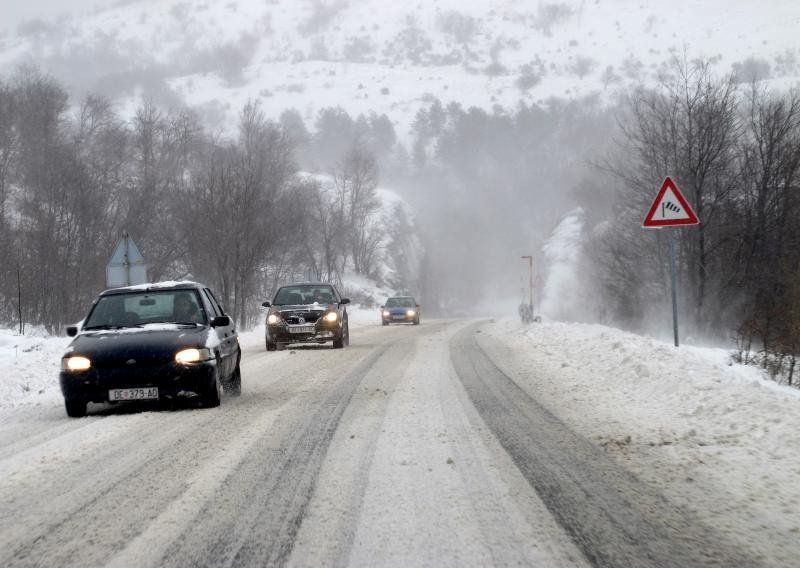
x=58, y=500
x=243, y=527
x=328, y=531
x=614, y=518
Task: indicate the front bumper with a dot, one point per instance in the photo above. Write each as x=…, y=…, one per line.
x=173, y=380
x=400, y=318
x=323, y=331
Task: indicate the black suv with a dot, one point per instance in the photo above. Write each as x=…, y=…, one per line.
x=307, y=313
x=152, y=342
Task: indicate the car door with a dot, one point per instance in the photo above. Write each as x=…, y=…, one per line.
x=340, y=307
x=227, y=336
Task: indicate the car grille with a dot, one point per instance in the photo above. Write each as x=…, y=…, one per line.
x=298, y=317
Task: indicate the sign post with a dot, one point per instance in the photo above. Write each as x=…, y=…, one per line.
x=530, y=281
x=670, y=209
x=127, y=266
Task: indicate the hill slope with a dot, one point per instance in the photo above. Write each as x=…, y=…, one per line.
x=392, y=57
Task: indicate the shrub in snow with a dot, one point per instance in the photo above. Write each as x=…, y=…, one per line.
x=752, y=69
x=359, y=50
x=582, y=66
x=462, y=27
x=495, y=69
x=550, y=15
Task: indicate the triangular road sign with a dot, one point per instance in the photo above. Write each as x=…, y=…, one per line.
x=670, y=208
x=126, y=252
x=127, y=266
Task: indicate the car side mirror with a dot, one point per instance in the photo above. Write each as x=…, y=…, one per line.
x=383, y=307
x=265, y=304
x=221, y=321
x=345, y=301
x=72, y=331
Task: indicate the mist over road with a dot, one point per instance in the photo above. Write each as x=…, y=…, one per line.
x=407, y=448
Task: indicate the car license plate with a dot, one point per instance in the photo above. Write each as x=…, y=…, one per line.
x=148, y=393
x=301, y=329
x=398, y=317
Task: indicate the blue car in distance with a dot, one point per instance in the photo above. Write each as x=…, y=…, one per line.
x=400, y=309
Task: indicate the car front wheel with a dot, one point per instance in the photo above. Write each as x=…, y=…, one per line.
x=344, y=337
x=234, y=385
x=213, y=397
x=75, y=408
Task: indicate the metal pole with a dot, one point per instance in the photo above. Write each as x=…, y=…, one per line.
x=530, y=286
x=672, y=263
x=126, y=263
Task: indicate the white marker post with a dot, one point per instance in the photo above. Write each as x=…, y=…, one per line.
x=670, y=209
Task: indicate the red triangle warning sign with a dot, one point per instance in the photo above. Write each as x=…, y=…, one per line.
x=670, y=208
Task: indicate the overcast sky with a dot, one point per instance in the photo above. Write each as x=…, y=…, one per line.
x=12, y=12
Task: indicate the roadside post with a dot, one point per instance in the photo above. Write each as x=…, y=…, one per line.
x=670, y=209
x=127, y=266
x=528, y=316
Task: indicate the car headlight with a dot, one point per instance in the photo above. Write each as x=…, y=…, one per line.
x=331, y=317
x=272, y=319
x=386, y=313
x=411, y=313
x=75, y=363
x=186, y=356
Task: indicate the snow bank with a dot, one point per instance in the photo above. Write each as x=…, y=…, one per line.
x=30, y=368
x=717, y=437
x=562, y=252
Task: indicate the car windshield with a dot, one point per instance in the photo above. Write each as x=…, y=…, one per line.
x=400, y=303
x=305, y=294
x=141, y=308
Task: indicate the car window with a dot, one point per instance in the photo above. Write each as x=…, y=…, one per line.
x=400, y=303
x=211, y=302
x=305, y=294
x=216, y=302
x=140, y=308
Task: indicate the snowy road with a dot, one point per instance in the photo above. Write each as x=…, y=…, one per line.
x=410, y=447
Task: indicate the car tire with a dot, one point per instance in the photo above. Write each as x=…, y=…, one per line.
x=213, y=397
x=234, y=385
x=385, y=322
x=416, y=321
x=344, y=337
x=271, y=345
x=75, y=408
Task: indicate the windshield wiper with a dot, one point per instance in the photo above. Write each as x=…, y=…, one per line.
x=192, y=323
x=109, y=326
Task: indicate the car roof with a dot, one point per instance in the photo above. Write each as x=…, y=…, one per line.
x=166, y=285
x=306, y=284
x=400, y=298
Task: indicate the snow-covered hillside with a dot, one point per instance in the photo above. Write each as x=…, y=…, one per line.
x=393, y=57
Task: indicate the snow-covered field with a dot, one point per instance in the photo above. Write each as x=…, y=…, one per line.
x=715, y=436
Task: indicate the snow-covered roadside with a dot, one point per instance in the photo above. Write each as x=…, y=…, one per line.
x=715, y=437
x=30, y=367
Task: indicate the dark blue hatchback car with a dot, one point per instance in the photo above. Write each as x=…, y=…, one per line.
x=400, y=309
x=152, y=342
